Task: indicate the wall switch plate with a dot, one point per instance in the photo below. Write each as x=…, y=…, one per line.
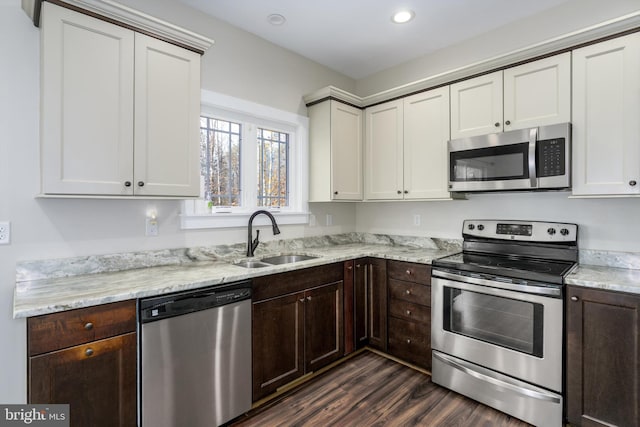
x=5, y=233
x=151, y=228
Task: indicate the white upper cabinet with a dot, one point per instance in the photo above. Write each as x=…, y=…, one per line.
x=476, y=106
x=383, y=151
x=335, y=152
x=119, y=110
x=167, y=114
x=606, y=118
x=533, y=94
x=426, y=132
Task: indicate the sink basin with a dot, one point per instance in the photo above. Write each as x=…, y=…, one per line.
x=287, y=259
x=251, y=264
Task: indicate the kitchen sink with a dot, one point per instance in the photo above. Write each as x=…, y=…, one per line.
x=252, y=264
x=287, y=259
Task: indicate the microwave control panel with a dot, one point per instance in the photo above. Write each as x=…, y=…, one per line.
x=551, y=159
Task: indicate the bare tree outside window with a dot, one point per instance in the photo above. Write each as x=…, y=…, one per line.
x=273, y=168
x=220, y=161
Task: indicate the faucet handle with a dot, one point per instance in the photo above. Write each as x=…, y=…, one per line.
x=256, y=241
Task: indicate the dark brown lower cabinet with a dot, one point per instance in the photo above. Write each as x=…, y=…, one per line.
x=71, y=361
x=603, y=357
x=297, y=320
x=370, y=301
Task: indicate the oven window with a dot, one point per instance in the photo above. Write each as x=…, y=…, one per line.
x=505, y=322
x=489, y=164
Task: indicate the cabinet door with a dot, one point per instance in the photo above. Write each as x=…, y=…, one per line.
x=606, y=107
x=97, y=380
x=167, y=109
x=603, y=357
x=346, y=152
x=476, y=106
x=323, y=324
x=278, y=343
x=87, y=104
x=538, y=93
x=426, y=132
x=361, y=303
x=377, y=287
x=384, y=161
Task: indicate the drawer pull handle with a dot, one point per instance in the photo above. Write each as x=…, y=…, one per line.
x=88, y=326
x=408, y=312
x=408, y=341
x=88, y=352
x=408, y=292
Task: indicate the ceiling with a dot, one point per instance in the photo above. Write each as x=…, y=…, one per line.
x=357, y=37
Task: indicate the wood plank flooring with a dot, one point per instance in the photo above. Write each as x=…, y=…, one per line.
x=371, y=390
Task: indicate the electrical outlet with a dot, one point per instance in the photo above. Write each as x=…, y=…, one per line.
x=416, y=220
x=329, y=220
x=5, y=233
x=151, y=228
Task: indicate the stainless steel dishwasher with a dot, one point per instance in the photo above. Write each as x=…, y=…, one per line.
x=195, y=356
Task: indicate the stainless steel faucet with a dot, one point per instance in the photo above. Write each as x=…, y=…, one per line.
x=252, y=245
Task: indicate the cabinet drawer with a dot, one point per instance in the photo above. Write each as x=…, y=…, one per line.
x=410, y=341
x=275, y=285
x=409, y=311
x=56, y=331
x=410, y=272
x=408, y=291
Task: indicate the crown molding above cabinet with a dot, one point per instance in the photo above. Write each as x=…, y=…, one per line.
x=566, y=42
x=125, y=16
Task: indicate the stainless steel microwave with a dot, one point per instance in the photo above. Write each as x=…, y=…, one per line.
x=527, y=159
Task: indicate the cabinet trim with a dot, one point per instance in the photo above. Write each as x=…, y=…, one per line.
x=123, y=16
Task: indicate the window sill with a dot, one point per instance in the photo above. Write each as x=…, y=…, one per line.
x=239, y=219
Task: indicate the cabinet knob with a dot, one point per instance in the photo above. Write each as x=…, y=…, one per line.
x=88, y=326
x=335, y=193
x=309, y=298
x=408, y=292
x=408, y=341
x=350, y=268
x=497, y=124
x=508, y=122
x=406, y=191
x=357, y=265
x=574, y=298
x=88, y=352
x=409, y=272
x=399, y=192
x=408, y=312
x=632, y=183
x=140, y=183
x=127, y=183
x=301, y=300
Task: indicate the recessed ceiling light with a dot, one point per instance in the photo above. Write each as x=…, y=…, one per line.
x=403, y=16
x=276, y=19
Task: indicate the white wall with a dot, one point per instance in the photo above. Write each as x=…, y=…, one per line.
x=603, y=224
x=58, y=228
x=563, y=19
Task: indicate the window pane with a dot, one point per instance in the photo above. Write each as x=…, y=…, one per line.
x=220, y=161
x=273, y=168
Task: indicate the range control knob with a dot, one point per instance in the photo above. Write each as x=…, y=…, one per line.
x=480, y=227
x=471, y=226
x=551, y=231
x=564, y=231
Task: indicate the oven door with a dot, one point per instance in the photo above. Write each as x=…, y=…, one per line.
x=516, y=333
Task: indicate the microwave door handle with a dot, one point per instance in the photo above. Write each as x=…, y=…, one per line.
x=533, y=138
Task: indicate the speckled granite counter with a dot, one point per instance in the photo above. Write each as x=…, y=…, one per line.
x=601, y=277
x=56, y=285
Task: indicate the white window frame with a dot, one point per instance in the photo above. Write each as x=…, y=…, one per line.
x=195, y=213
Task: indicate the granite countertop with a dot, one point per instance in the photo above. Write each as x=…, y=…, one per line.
x=604, y=277
x=50, y=286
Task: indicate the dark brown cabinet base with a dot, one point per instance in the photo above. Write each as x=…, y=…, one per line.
x=603, y=358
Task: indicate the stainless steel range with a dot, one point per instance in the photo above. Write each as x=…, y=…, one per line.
x=497, y=316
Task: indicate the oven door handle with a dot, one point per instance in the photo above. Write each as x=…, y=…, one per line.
x=530, y=289
x=527, y=392
x=533, y=139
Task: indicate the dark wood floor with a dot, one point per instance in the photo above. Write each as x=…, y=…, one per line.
x=371, y=390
